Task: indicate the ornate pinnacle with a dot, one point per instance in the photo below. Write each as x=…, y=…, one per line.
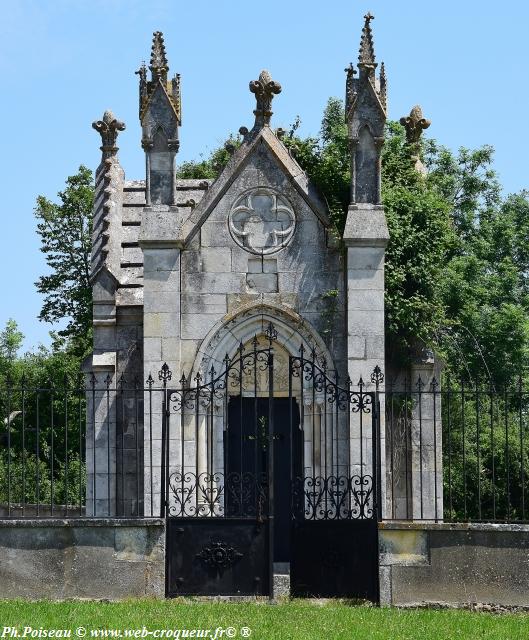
x=383, y=83
x=108, y=128
x=265, y=88
x=367, y=50
x=159, y=65
x=415, y=124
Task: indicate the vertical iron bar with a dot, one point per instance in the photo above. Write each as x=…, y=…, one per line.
x=136, y=428
x=291, y=435
x=507, y=459
x=150, y=383
x=166, y=450
x=492, y=443
x=93, y=383
x=420, y=384
x=182, y=443
x=8, y=382
x=392, y=446
x=434, y=387
x=197, y=421
x=210, y=440
x=313, y=406
x=163, y=470
x=378, y=466
x=326, y=482
x=522, y=464
x=108, y=380
x=449, y=423
x=374, y=457
x=348, y=428
x=336, y=423
x=271, y=471
x=478, y=449
x=37, y=450
x=226, y=426
x=122, y=456
x=241, y=364
x=65, y=446
x=464, y=449
x=23, y=445
x=361, y=419
x=52, y=453
x=255, y=414
x=407, y=437
x=80, y=418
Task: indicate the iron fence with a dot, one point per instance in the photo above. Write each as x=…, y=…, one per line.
x=456, y=452
x=446, y=451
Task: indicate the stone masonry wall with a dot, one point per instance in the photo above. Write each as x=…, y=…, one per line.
x=104, y=558
x=455, y=564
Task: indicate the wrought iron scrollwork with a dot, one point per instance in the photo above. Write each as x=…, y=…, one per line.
x=344, y=398
x=232, y=495
x=333, y=498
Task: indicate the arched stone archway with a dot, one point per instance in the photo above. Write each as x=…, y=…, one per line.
x=293, y=331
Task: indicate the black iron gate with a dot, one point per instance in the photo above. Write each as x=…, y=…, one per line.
x=334, y=512
x=255, y=473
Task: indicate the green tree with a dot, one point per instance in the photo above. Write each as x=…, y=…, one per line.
x=65, y=230
x=10, y=341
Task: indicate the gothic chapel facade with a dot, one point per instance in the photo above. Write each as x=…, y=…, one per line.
x=191, y=277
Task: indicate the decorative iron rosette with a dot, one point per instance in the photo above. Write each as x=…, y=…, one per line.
x=262, y=221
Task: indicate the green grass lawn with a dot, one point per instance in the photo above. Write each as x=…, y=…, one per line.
x=305, y=620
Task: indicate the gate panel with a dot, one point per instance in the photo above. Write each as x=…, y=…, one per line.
x=216, y=557
x=335, y=559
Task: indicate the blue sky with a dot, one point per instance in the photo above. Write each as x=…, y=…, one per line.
x=63, y=62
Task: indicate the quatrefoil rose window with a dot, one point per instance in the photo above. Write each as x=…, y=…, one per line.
x=262, y=221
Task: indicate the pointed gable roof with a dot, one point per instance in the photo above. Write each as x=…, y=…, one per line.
x=279, y=152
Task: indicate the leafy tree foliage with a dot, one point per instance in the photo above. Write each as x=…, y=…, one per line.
x=65, y=230
x=10, y=342
x=42, y=422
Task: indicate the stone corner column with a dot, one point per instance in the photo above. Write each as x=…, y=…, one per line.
x=426, y=473
x=100, y=437
x=161, y=328
x=366, y=236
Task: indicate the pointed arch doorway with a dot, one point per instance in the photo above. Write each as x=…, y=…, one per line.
x=252, y=409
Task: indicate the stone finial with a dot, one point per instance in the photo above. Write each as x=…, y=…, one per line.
x=415, y=124
x=159, y=65
x=366, y=55
x=142, y=72
x=108, y=128
x=366, y=111
x=264, y=89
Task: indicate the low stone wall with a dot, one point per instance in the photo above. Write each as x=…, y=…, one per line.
x=454, y=563
x=77, y=558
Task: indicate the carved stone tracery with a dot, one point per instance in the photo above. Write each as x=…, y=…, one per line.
x=262, y=221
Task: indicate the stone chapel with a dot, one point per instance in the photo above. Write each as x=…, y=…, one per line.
x=187, y=272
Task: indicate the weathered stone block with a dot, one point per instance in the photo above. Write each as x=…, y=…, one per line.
x=161, y=260
x=165, y=325
x=197, y=325
x=215, y=260
x=365, y=258
x=262, y=282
